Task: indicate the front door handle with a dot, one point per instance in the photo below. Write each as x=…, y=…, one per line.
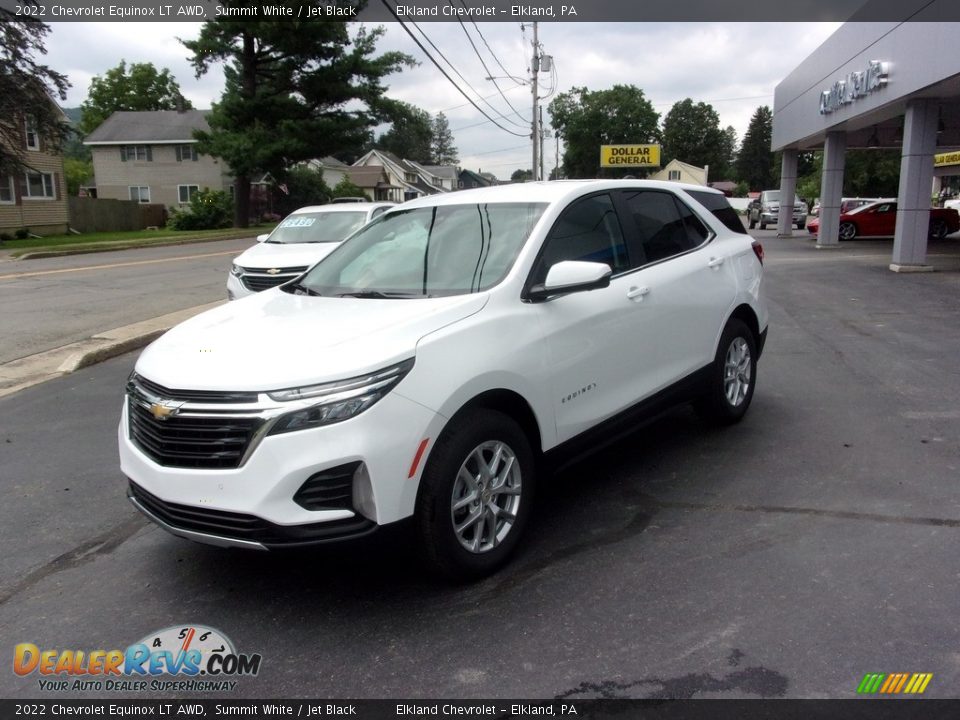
x=637, y=292
x=715, y=262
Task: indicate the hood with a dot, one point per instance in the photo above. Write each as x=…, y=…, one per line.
x=274, y=340
x=282, y=255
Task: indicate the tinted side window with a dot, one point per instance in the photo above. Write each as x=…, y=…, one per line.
x=717, y=204
x=588, y=230
x=661, y=228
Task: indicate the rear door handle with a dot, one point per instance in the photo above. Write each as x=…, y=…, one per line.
x=637, y=292
x=715, y=262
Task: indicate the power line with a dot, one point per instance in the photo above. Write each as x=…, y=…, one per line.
x=444, y=72
x=465, y=81
x=486, y=69
x=485, y=97
x=477, y=28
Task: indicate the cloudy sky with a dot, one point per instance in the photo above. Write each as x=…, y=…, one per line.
x=733, y=66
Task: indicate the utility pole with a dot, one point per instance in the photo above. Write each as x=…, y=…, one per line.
x=543, y=134
x=535, y=129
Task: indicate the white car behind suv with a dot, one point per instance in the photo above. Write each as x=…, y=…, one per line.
x=438, y=362
x=300, y=240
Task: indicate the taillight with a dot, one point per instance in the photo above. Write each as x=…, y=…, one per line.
x=758, y=250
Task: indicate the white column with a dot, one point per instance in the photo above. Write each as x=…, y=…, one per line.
x=788, y=191
x=831, y=189
x=916, y=178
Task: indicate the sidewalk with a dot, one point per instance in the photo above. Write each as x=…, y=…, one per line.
x=34, y=369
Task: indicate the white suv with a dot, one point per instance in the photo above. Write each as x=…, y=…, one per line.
x=439, y=361
x=300, y=240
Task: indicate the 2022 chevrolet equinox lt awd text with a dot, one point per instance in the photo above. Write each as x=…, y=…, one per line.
x=427, y=365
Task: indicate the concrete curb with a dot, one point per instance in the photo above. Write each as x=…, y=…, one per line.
x=35, y=369
x=40, y=254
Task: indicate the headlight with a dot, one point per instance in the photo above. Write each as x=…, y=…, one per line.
x=236, y=270
x=339, y=400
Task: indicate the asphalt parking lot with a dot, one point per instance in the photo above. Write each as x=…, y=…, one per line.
x=787, y=556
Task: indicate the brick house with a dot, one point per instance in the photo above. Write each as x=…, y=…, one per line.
x=37, y=198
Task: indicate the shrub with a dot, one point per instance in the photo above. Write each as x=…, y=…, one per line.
x=208, y=210
x=5, y=237
x=22, y=233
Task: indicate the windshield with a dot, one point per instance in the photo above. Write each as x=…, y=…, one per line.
x=426, y=252
x=770, y=196
x=317, y=227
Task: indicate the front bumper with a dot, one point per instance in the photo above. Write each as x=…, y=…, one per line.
x=253, y=505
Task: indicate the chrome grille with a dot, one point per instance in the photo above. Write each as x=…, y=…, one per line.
x=193, y=436
x=259, y=280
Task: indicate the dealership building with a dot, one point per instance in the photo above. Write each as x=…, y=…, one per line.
x=876, y=85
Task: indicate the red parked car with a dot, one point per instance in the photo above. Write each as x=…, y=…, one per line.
x=879, y=219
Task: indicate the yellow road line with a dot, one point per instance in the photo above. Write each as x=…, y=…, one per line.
x=35, y=273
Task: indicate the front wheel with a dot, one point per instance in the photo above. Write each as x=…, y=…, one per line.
x=475, y=495
x=732, y=377
x=848, y=231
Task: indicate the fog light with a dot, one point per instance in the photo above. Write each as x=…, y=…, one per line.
x=363, y=501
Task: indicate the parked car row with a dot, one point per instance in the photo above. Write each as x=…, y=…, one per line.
x=434, y=363
x=879, y=219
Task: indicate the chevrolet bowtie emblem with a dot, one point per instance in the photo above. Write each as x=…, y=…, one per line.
x=165, y=409
x=273, y=271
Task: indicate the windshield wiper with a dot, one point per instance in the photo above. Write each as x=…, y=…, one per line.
x=378, y=295
x=300, y=289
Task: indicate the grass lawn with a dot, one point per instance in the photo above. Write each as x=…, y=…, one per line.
x=92, y=242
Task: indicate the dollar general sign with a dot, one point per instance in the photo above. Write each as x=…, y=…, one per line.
x=629, y=156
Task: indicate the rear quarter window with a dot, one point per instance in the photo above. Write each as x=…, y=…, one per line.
x=719, y=207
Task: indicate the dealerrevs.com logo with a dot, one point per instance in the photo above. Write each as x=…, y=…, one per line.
x=179, y=658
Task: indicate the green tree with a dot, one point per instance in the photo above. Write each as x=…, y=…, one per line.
x=347, y=188
x=692, y=134
x=410, y=136
x=755, y=163
x=443, y=150
x=76, y=172
x=587, y=119
x=208, y=210
x=872, y=173
x=137, y=87
x=29, y=91
x=305, y=186
x=520, y=176
x=728, y=151
x=294, y=91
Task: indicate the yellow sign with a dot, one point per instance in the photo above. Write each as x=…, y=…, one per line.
x=630, y=156
x=947, y=158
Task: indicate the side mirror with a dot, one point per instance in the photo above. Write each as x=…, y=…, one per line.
x=570, y=276
x=261, y=238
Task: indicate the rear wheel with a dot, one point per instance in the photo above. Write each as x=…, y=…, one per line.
x=848, y=231
x=938, y=229
x=475, y=495
x=732, y=376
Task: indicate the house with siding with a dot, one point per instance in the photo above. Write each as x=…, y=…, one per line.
x=679, y=171
x=36, y=199
x=468, y=179
x=413, y=180
x=151, y=157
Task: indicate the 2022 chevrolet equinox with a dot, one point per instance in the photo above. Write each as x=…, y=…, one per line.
x=428, y=366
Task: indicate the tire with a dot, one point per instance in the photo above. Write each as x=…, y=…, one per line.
x=848, y=231
x=938, y=229
x=453, y=473
x=732, y=377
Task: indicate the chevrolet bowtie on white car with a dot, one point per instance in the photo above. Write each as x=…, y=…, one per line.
x=439, y=361
x=302, y=239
